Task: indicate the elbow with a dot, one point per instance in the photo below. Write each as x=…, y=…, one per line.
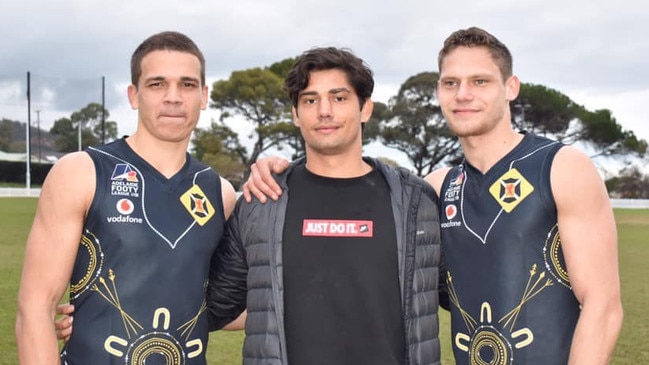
x=611, y=315
x=20, y=318
x=20, y=325
x=616, y=317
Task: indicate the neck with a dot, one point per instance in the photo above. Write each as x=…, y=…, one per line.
x=337, y=166
x=484, y=151
x=166, y=157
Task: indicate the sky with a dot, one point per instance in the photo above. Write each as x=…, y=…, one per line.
x=593, y=51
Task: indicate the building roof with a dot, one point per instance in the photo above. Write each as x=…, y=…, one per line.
x=22, y=157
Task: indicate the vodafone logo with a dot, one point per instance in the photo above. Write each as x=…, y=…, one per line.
x=451, y=211
x=125, y=206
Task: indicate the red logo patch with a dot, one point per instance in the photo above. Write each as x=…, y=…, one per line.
x=125, y=206
x=451, y=211
x=337, y=228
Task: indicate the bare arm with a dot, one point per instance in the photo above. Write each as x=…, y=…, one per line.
x=229, y=197
x=589, y=241
x=436, y=178
x=238, y=324
x=49, y=256
x=261, y=183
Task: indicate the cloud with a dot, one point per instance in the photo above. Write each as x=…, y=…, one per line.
x=592, y=51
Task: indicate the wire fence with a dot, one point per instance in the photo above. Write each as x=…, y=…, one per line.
x=616, y=203
x=50, y=97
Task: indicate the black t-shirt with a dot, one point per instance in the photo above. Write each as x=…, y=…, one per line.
x=341, y=278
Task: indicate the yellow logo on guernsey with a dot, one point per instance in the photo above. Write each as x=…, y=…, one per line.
x=197, y=204
x=511, y=189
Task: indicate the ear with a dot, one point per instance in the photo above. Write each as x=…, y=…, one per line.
x=204, y=95
x=296, y=120
x=366, y=110
x=132, y=96
x=512, y=87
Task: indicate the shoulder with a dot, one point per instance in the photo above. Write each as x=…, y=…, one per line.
x=573, y=175
x=73, y=162
x=389, y=170
x=72, y=178
x=568, y=162
x=436, y=178
x=405, y=179
x=229, y=197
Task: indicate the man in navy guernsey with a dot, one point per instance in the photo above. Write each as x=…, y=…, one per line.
x=528, y=233
x=130, y=226
x=344, y=268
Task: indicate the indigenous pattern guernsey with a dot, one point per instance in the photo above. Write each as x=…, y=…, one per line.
x=511, y=300
x=139, y=279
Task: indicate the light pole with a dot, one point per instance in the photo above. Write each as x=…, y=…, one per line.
x=38, y=129
x=523, y=108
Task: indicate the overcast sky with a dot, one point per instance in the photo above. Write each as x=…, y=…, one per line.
x=595, y=52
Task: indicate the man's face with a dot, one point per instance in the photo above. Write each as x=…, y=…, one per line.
x=472, y=93
x=329, y=116
x=169, y=95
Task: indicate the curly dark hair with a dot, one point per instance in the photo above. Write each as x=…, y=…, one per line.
x=359, y=74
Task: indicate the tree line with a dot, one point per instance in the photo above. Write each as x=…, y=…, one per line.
x=411, y=122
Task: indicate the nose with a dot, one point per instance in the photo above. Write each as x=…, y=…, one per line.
x=324, y=108
x=464, y=92
x=173, y=94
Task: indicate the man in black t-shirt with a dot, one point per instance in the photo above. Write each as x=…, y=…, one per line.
x=344, y=268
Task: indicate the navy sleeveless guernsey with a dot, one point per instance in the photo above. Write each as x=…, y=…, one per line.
x=511, y=300
x=138, y=283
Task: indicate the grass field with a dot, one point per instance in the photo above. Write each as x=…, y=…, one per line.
x=225, y=347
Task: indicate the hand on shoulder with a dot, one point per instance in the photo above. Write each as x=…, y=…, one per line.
x=261, y=183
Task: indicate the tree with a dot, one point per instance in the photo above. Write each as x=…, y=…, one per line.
x=608, y=137
x=257, y=95
x=66, y=130
x=544, y=111
x=6, y=132
x=413, y=123
x=219, y=148
x=629, y=184
x=548, y=112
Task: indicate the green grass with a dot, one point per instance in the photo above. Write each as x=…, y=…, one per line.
x=633, y=234
x=225, y=347
x=16, y=215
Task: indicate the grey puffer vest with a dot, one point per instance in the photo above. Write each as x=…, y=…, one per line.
x=251, y=256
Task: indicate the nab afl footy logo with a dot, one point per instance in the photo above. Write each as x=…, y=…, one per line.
x=125, y=206
x=451, y=211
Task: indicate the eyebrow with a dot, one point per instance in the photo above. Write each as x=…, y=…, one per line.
x=332, y=91
x=162, y=78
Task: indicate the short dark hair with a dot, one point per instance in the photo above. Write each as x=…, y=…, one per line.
x=476, y=37
x=169, y=41
x=359, y=74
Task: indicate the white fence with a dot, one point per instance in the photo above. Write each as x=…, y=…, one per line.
x=630, y=203
x=19, y=192
x=616, y=203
